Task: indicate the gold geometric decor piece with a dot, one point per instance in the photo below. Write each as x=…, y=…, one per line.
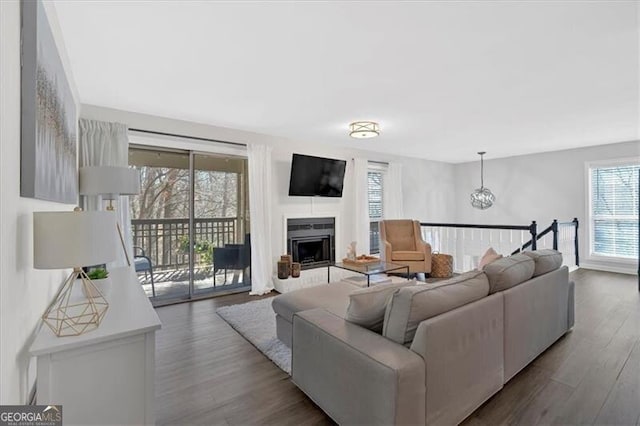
x=73, y=313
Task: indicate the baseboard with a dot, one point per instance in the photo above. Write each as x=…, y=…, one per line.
x=629, y=270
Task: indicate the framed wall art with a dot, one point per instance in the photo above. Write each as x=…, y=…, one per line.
x=48, y=169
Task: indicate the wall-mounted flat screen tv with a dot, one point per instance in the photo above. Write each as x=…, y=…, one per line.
x=316, y=176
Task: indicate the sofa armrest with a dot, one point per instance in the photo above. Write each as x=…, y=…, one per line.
x=355, y=375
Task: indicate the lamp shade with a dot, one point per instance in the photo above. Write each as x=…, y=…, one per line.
x=73, y=239
x=109, y=181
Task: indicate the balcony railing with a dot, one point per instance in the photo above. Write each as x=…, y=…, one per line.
x=166, y=241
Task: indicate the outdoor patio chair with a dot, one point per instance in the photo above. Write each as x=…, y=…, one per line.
x=232, y=256
x=142, y=263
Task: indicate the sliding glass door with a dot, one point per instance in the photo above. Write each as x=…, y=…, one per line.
x=221, y=239
x=189, y=223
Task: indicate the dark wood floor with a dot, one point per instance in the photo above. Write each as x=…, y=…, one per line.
x=206, y=373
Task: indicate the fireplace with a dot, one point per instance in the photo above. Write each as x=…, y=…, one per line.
x=311, y=241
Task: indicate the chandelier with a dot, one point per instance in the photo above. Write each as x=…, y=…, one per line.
x=482, y=198
x=364, y=129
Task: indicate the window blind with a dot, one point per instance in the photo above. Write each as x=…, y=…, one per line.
x=375, y=194
x=375, y=179
x=614, y=210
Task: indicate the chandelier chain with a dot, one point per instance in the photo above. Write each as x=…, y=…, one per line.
x=481, y=170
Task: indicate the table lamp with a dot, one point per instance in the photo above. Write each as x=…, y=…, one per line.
x=110, y=182
x=72, y=240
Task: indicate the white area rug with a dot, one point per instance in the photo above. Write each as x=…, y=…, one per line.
x=256, y=322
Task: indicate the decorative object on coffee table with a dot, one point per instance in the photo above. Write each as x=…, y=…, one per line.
x=351, y=251
x=283, y=269
x=363, y=259
x=441, y=265
x=295, y=270
x=369, y=269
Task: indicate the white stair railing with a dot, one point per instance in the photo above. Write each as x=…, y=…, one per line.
x=468, y=242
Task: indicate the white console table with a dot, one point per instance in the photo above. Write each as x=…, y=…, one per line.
x=104, y=376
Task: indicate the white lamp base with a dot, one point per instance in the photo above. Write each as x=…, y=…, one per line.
x=68, y=317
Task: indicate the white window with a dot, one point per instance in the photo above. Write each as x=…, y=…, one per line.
x=375, y=188
x=613, y=210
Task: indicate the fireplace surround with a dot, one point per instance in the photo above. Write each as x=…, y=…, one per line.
x=311, y=241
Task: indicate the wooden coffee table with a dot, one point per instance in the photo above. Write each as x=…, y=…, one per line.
x=369, y=269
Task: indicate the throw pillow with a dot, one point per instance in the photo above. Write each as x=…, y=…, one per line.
x=489, y=256
x=367, y=305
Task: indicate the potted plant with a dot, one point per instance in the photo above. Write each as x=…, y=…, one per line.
x=100, y=279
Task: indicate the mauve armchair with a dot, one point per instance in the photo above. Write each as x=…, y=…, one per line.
x=401, y=243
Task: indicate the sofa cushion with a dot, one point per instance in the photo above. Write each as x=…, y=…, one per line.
x=509, y=272
x=333, y=296
x=407, y=255
x=546, y=260
x=367, y=305
x=489, y=256
x=409, y=306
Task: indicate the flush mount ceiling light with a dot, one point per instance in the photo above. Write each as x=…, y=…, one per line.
x=482, y=198
x=364, y=129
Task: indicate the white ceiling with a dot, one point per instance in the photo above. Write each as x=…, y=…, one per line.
x=443, y=79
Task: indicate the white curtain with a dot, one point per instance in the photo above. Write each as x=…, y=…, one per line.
x=260, y=193
x=392, y=200
x=361, y=208
x=107, y=144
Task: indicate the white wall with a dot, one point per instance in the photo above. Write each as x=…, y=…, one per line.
x=24, y=291
x=423, y=198
x=539, y=187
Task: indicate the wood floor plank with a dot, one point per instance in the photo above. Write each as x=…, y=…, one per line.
x=553, y=358
x=585, y=403
x=206, y=373
x=516, y=394
x=544, y=406
x=578, y=364
x=623, y=403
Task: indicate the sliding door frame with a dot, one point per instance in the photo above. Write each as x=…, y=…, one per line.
x=192, y=147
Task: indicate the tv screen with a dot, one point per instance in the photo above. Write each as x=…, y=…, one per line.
x=316, y=176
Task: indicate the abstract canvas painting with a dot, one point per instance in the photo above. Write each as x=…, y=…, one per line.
x=49, y=123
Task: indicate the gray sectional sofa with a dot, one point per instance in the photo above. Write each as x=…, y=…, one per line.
x=411, y=353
